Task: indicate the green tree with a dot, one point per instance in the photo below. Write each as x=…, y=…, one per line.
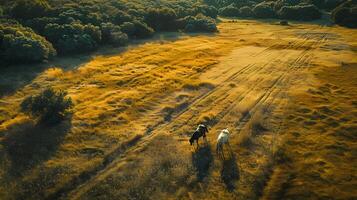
x=20, y=44
x=264, y=10
x=346, y=14
x=74, y=37
x=300, y=12
x=28, y=9
x=199, y=23
x=163, y=19
x=229, y=11
x=136, y=29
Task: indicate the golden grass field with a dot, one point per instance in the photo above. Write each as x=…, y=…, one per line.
x=288, y=95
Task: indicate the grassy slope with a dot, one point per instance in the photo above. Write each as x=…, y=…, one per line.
x=135, y=110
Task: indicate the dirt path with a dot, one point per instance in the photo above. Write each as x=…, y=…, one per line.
x=147, y=101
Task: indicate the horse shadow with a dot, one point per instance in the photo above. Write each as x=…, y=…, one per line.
x=202, y=160
x=28, y=145
x=230, y=172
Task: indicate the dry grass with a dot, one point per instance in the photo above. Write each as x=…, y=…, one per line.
x=291, y=119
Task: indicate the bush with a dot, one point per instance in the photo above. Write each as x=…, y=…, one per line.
x=200, y=23
x=229, y=11
x=120, y=17
x=136, y=29
x=49, y=107
x=39, y=24
x=119, y=39
x=246, y=12
x=332, y=4
x=300, y=12
x=73, y=38
x=163, y=19
x=28, y=9
x=264, y=10
x=208, y=11
x=20, y=44
x=280, y=3
x=346, y=14
x=107, y=29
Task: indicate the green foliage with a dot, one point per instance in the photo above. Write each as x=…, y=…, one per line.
x=76, y=26
x=300, y=12
x=136, y=29
x=346, y=14
x=229, y=11
x=120, y=17
x=20, y=44
x=332, y=4
x=39, y=24
x=111, y=34
x=119, y=39
x=199, y=23
x=27, y=9
x=163, y=19
x=206, y=10
x=264, y=10
x=49, y=107
x=73, y=38
x=280, y=3
x=245, y=11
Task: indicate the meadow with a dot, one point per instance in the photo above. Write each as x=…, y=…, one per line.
x=286, y=93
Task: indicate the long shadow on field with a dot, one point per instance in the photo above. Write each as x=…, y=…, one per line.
x=13, y=77
x=202, y=159
x=28, y=145
x=230, y=172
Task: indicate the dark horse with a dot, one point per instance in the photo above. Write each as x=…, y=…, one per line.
x=200, y=131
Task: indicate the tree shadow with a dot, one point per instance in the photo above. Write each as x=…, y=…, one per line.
x=28, y=145
x=16, y=76
x=202, y=159
x=230, y=172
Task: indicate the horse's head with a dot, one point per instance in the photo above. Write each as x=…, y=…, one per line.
x=191, y=140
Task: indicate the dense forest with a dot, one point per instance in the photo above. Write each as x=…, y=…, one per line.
x=37, y=30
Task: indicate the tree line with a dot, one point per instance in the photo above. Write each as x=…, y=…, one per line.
x=37, y=30
x=343, y=12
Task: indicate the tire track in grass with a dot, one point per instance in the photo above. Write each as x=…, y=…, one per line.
x=109, y=167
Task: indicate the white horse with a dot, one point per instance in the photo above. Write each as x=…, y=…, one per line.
x=223, y=138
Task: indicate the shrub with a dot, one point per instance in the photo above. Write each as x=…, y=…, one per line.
x=163, y=19
x=49, y=107
x=28, y=9
x=229, y=11
x=331, y=4
x=107, y=29
x=208, y=11
x=73, y=38
x=136, y=29
x=280, y=3
x=20, y=44
x=346, y=14
x=300, y=12
x=119, y=39
x=199, y=23
x=120, y=17
x=264, y=10
x=245, y=11
x=39, y=24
